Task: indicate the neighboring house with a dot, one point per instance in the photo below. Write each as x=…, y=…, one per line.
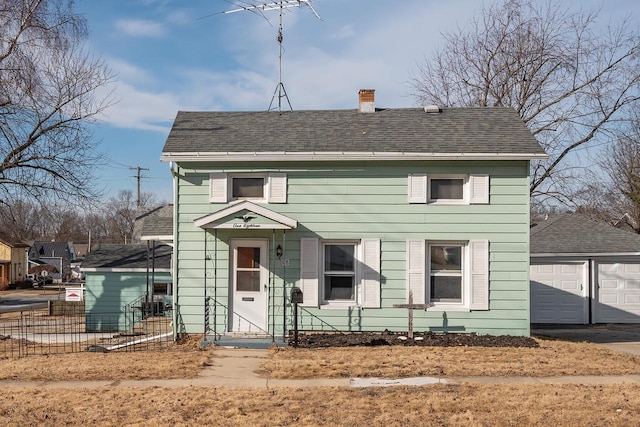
x=57, y=254
x=357, y=208
x=121, y=280
x=583, y=272
x=13, y=262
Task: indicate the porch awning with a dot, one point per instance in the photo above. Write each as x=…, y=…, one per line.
x=245, y=215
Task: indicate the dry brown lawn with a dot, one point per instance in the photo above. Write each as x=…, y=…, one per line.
x=468, y=404
x=553, y=358
x=465, y=405
x=182, y=360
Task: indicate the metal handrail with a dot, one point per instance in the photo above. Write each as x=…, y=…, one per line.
x=324, y=322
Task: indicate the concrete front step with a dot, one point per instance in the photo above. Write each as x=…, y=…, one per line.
x=245, y=341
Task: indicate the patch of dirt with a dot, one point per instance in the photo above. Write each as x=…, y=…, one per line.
x=368, y=339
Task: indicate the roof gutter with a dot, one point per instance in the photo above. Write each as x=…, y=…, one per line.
x=585, y=254
x=339, y=156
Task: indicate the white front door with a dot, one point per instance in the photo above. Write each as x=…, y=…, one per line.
x=249, y=289
x=559, y=293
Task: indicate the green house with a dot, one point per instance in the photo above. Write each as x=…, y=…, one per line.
x=123, y=282
x=363, y=210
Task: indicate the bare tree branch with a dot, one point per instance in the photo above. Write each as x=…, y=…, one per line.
x=571, y=80
x=50, y=94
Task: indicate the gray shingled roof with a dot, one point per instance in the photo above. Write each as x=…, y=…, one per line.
x=127, y=256
x=406, y=130
x=157, y=226
x=578, y=234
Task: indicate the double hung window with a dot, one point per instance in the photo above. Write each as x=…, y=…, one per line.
x=339, y=271
x=445, y=273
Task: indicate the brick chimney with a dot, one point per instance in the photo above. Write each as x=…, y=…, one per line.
x=366, y=98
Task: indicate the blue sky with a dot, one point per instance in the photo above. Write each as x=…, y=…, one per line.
x=167, y=59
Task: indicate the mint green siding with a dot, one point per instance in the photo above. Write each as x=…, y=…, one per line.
x=107, y=294
x=356, y=200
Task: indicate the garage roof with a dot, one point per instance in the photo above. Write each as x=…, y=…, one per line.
x=566, y=234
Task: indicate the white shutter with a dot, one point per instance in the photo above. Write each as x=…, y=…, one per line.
x=479, y=274
x=479, y=188
x=309, y=271
x=371, y=273
x=417, y=188
x=218, y=187
x=416, y=271
x=277, y=188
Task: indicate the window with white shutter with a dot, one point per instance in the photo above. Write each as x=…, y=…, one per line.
x=340, y=274
x=449, y=275
x=448, y=189
x=227, y=187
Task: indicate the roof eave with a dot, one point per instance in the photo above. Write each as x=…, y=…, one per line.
x=583, y=254
x=339, y=156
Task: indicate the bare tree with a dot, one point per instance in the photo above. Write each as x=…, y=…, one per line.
x=622, y=164
x=121, y=212
x=50, y=92
x=570, y=79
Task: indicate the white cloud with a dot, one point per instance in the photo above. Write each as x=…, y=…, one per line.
x=140, y=28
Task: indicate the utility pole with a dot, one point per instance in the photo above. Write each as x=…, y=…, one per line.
x=138, y=177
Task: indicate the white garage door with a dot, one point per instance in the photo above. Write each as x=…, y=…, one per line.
x=618, y=293
x=558, y=293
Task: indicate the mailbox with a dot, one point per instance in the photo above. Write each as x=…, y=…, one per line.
x=296, y=296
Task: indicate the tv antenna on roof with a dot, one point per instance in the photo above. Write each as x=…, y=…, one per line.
x=252, y=6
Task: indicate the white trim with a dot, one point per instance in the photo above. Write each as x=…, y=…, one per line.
x=124, y=270
x=586, y=254
x=338, y=156
x=158, y=237
x=284, y=221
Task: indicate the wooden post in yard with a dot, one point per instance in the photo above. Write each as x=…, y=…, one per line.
x=411, y=306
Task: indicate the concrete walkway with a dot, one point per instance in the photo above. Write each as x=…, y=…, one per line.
x=236, y=367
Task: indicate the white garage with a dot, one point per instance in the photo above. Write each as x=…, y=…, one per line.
x=557, y=285
x=618, y=293
x=583, y=272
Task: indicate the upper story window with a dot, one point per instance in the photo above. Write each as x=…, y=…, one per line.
x=247, y=187
x=258, y=187
x=444, y=189
x=447, y=189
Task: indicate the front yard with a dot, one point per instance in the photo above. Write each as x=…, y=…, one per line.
x=467, y=404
